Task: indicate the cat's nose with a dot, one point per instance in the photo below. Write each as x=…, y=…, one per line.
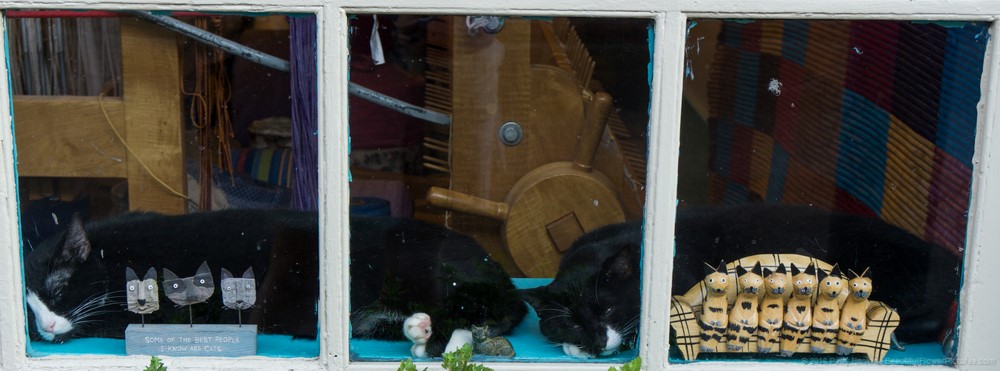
x=142, y=302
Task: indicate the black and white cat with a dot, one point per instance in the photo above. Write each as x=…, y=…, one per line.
x=399, y=267
x=591, y=306
x=73, y=279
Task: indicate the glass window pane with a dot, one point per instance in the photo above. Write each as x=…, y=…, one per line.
x=842, y=145
x=144, y=156
x=534, y=140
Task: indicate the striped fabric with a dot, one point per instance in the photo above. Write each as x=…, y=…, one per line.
x=268, y=165
x=876, y=118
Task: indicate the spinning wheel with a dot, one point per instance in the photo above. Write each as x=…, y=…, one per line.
x=551, y=205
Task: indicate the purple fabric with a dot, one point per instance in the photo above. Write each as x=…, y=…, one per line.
x=304, y=112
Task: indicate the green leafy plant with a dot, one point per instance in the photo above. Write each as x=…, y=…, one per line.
x=155, y=364
x=453, y=361
x=408, y=365
x=633, y=365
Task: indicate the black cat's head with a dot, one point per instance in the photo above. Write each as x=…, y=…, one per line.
x=66, y=284
x=591, y=314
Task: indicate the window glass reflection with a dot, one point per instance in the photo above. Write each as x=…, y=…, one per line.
x=844, y=148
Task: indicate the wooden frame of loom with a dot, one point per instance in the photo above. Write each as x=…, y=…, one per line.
x=69, y=136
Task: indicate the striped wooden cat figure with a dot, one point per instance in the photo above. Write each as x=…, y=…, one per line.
x=854, y=314
x=826, y=312
x=714, y=317
x=743, y=317
x=772, y=310
x=798, y=313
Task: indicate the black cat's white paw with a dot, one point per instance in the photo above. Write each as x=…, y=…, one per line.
x=417, y=328
x=575, y=351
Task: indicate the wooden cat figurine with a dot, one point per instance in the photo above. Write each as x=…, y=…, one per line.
x=798, y=315
x=772, y=310
x=854, y=314
x=826, y=312
x=238, y=292
x=743, y=317
x=714, y=318
x=142, y=296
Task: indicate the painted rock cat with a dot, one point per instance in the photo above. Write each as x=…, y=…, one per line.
x=142, y=296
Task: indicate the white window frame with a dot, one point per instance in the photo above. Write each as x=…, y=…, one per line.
x=978, y=302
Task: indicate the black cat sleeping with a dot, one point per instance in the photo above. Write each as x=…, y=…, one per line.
x=75, y=280
x=592, y=305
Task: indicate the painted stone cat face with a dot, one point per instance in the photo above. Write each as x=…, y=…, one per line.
x=189, y=290
x=142, y=296
x=238, y=292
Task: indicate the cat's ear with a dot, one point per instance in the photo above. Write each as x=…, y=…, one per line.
x=811, y=270
x=795, y=270
x=781, y=268
x=248, y=274
x=722, y=267
x=835, y=271
x=203, y=269
x=225, y=274
x=620, y=266
x=821, y=274
x=168, y=275
x=767, y=272
x=709, y=269
x=535, y=296
x=77, y=247
x=757, y=270
x=852, y=272
x=150, y=274
x=130, y=275
x=867, y=273
x=740, y=270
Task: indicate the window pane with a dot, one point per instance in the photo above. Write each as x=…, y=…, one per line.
x=536, y=136
x=842, y=145
x=144, y=156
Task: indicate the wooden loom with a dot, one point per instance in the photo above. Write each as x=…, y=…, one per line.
x=69, y=136
x=577, y=167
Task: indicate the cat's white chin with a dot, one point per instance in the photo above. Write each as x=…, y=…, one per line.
x=48, y=323
x=614, y=342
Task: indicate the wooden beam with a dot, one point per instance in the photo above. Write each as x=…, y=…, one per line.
x=51, y=145
x=152, y=96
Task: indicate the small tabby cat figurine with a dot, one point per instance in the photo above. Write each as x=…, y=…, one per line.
x=772, y=310
x=826, y=313
x=854, y=314
x=142, y=296
x=714, y=319
x=238, y=293
x=189, y=290
x=743, y=317
x=485, y=344
x=798, y=316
